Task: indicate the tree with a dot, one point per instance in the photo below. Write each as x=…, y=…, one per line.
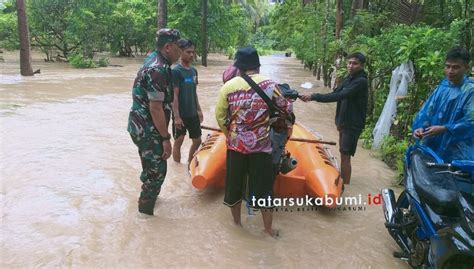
x=162, y=14
x=227, y=26
x=358, y=4
x=25, y=56
x=71, y=27
x=204, y=33
x=258, y=11
x=326, y=79
x=134, y=24
x=339, y=18
x=339, y=25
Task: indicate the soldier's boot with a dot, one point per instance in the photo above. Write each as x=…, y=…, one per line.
x=146, y=205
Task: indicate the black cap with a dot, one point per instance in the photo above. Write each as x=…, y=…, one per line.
x=247, y=59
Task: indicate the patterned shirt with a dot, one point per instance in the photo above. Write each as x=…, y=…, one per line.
x=153, y=83
x=244, y=116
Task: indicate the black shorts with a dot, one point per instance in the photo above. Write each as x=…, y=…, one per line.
x=193, y=125
x=249, y=176
x=348, y=141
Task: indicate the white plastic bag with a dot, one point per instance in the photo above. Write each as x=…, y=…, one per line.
x=401, y=76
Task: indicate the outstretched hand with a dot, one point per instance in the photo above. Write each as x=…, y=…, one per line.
x=305, y=97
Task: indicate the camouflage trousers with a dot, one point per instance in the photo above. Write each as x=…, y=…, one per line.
x=154, y=167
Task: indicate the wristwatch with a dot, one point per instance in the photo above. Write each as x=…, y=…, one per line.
x=164, y=138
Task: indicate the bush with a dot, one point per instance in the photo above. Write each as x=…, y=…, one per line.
x=79, y=61
x=393, y=154
x=366, y=136
x=103, y=62
x=230, y=52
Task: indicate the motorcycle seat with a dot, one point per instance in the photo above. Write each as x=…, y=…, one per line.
x=439, y=190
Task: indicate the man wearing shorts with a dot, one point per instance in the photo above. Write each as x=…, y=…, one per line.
x=187, y=114
x=351, y=97
x=243, y=116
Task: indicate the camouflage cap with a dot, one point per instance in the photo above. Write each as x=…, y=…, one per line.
x=166, y=35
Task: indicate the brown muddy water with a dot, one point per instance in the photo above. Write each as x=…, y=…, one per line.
x=70, y=181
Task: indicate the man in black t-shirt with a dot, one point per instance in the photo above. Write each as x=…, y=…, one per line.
x=351, y=97
x=187, y=114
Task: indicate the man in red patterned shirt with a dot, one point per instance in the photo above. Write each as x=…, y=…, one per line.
x=243, y=116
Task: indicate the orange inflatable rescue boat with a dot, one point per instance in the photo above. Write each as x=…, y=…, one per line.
x=315, y=175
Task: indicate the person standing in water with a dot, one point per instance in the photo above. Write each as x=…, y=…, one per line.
x=244, y=117
x=352, y=98
x=150, y=114
x=187, y=113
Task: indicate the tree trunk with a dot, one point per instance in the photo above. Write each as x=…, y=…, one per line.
x=204, y=33
x=371, y=103
x=466, y=8
x=442, y=11
x=365, y=4
x=358, y=4
x=339, y=25
x=355, y=4
x=339, y=18
x=325, y=44
x=318, y=74
x=416, y=9
x=25, y=56
x=162, y=14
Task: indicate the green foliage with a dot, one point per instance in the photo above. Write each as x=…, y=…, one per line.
x=366, y=136
x=79, y=61
x=260, y=40
x=103, y=62
x=425, y=46
x=128, y=27
x=393, y=153
x=69, y=26
x=230, y=52
x=307, y=30
x=132, y=24
x=8, y=27
x=386, y=45
x=228, y=26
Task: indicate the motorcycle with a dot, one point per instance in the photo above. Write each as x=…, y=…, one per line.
x=432, y=221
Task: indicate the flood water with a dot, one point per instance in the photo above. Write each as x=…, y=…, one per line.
x=70, y=182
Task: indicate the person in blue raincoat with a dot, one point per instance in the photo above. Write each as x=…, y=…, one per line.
x=445, y=123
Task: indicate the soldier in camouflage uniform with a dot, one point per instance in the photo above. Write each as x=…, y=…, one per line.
x=150, y=114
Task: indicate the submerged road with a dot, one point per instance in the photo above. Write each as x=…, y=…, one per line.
x=70, y=183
